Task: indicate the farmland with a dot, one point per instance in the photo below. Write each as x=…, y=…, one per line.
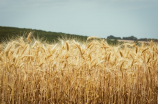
x=72, y=72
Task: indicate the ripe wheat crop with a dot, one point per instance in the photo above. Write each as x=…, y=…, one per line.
x=70, y=72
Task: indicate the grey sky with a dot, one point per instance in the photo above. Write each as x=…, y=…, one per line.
x=84, y=17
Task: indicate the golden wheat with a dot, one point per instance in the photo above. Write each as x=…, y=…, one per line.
x=72, y=72
x=92, y=37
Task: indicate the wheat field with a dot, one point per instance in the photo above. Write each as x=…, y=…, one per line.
x=70, y=72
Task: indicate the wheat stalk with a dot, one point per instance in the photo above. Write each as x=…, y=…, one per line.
x=73, y=72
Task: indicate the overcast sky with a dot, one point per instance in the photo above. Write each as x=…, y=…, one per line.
x=99, y=18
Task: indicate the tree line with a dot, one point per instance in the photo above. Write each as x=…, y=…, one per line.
x=132, y=38
x=8, y=33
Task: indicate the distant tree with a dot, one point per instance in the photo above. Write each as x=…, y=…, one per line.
x=115, y=42
x=112, y=37
x=112, y=42
x=130, y=38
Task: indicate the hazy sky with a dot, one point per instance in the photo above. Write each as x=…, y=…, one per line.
x=99, y=18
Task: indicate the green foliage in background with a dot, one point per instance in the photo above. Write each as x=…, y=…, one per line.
x=112, y=42
x=7, y=33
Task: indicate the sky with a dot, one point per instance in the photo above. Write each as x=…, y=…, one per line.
x=101, y=18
